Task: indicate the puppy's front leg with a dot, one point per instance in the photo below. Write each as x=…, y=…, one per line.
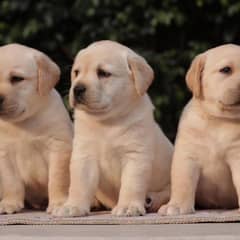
x=234, y=164
x=84, y=176
x=12, y=187
x=134, y=183
x=58, y=178
x=184, y=179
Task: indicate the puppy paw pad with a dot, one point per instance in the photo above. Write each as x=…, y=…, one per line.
x=174, y=209
x=53, y=207
x=130, y=210
x=70, y=211
x=10, y=207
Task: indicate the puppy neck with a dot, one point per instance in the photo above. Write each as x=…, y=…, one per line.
x=133, y=112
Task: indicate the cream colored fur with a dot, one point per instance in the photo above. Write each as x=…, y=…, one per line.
x=35, y=131
x=206, y=162
x=119, y=152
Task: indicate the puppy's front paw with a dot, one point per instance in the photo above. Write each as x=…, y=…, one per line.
x=70, y=211
x=54, y=206
x=175, y=209
x=9, y=207
x=132, y=209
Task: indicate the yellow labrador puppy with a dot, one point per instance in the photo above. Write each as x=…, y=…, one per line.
x=206, y=162
x=119, y=152
x=35, y=131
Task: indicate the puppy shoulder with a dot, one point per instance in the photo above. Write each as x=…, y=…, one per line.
x=57, y=115
x=57, y=104
x=147, y=107
x=189, y=112
x=55, y=96
x=192, y=124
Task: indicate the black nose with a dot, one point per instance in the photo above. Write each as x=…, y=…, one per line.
x=79, y=91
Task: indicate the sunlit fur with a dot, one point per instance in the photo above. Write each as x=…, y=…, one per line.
x=35, y=131
x=119, y=152
x=206, y=163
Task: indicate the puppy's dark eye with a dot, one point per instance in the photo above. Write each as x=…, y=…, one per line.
x=16, y=79
x=226, y=70
x=76, y=72
x=103, y=74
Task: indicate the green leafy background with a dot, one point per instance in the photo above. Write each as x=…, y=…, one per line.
x=168, y=33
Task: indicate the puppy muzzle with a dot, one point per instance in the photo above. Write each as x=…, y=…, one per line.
x=79, y=92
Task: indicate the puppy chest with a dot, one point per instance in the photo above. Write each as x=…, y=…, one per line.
x=215, y=187
x=216, y=144
x=110, y=165
x=31, y=158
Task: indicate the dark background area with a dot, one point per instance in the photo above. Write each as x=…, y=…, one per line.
x=168, y=33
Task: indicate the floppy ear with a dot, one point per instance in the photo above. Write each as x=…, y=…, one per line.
x=48, y=73
x=194, y=75
x=142, y=73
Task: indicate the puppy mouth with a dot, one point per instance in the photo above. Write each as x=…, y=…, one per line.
x=81, y=102
x=234, y=104
x=94, y=110
x=91, y=109
x=7, y=114
x=97, y=110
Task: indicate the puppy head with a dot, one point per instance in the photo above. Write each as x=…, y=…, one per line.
x=26, y=78
x=107, y=75
x=214, y=79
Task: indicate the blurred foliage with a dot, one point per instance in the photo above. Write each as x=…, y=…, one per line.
x=168, y=33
